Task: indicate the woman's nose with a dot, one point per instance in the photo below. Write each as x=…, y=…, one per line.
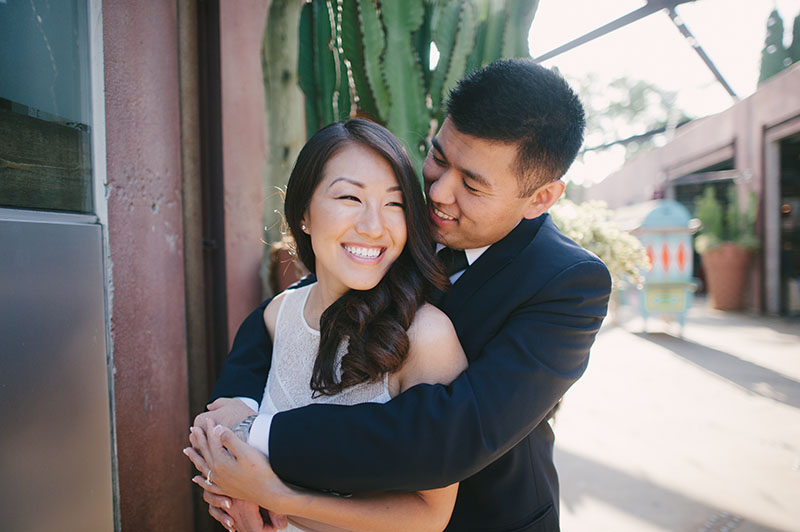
x=370, y=223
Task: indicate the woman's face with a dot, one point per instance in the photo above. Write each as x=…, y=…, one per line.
x=356, y=221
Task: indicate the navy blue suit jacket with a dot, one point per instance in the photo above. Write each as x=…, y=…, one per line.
x=526, y=312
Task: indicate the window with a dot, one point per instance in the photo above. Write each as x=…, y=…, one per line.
x=45, y=111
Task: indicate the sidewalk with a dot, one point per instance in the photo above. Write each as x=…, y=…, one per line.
x=700, y=433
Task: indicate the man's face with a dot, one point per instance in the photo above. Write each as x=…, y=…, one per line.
x=473, y=195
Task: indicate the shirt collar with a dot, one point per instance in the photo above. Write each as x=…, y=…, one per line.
x=472, y=254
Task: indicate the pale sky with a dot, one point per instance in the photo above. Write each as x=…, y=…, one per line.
x=731, y=32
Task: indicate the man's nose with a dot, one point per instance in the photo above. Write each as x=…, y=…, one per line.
x=441, y=189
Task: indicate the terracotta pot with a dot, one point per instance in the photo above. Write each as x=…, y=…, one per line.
x=726, y=269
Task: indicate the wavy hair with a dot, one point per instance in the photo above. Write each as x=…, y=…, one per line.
x=373, y=322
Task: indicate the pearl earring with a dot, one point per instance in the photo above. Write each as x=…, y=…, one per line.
x=303, y=227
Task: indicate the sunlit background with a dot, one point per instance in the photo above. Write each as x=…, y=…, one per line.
x=652, y=49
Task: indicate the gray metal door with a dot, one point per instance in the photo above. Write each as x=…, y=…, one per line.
x=55, y=448
x=55, y=413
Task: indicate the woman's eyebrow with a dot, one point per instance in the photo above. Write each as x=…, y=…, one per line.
x=359, y=184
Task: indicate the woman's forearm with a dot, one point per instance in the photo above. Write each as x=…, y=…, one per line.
x=384, y=512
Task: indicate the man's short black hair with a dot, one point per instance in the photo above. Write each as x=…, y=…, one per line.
x=519, y=101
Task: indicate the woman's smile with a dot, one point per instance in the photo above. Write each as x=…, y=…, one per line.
x=356, y=221
x=364, y=253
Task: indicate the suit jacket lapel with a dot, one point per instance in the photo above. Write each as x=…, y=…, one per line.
x=492, y=261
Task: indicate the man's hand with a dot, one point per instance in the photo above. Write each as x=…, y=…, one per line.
x=224, y=411
x=241, y=515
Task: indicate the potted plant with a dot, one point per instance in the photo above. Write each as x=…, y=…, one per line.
x=725, y=244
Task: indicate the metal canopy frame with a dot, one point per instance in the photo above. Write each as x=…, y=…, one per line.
x=652, y=6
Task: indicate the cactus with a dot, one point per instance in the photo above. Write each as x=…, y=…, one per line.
x=518, y=23
x=284, y=106
x=457, y=66
x=352, y=37
x=408, y=115
x=379, y=52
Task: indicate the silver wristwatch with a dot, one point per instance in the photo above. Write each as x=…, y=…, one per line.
x=242, y=429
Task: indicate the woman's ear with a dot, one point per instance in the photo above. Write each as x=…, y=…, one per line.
x=304, y=225
x=544, y=198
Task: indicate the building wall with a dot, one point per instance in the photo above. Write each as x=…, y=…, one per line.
x=146, y=236
x=146, y=249
x=244, y=152
x=737, y=131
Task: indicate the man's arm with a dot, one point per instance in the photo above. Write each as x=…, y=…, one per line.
x=432, y=436
x=244, y=372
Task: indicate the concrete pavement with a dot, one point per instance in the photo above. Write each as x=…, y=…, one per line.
x=699, y=433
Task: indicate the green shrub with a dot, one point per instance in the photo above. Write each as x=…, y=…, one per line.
x=590, y=224
x=725, y=225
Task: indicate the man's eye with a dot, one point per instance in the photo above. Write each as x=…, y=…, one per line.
x=438, y=161
x=471, y=189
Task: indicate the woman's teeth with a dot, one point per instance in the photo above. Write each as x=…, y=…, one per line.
x=366, y=253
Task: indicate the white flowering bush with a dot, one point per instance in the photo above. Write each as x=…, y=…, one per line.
x=590, y=224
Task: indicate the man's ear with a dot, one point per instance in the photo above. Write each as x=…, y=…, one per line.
x=544, y=198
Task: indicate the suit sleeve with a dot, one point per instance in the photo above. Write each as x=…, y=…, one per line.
x=244, y=372
x=432, y=436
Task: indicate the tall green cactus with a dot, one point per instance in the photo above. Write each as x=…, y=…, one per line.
x=408, y=114
x=379, y=52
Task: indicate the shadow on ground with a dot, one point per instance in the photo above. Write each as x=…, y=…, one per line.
x=638, y=497
x=752, y=377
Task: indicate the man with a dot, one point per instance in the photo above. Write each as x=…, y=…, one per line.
x=526, y=307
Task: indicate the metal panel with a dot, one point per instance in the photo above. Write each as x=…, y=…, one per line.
x=55, y=448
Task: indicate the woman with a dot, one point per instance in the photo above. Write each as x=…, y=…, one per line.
x=362, y=332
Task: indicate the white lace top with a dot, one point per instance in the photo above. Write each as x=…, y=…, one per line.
x=294, y=351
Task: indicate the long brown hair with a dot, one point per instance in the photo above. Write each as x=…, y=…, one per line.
x=374, y=322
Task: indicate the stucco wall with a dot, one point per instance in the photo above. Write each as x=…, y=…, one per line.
x=738, y=133
x=703, y=142
x=244, y=149
x=146, y=248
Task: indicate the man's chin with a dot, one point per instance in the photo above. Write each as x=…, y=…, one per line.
x=438, y=236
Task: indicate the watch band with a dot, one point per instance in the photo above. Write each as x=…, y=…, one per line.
x=242, y=429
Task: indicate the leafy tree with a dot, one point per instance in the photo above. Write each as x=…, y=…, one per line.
x=628, y=112
x=794, y=48
x=774, y=56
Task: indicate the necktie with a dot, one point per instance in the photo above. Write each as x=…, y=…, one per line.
x=453, y=260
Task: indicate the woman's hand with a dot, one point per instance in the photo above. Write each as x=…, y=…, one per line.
x=245, y=516
x=236, y=469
